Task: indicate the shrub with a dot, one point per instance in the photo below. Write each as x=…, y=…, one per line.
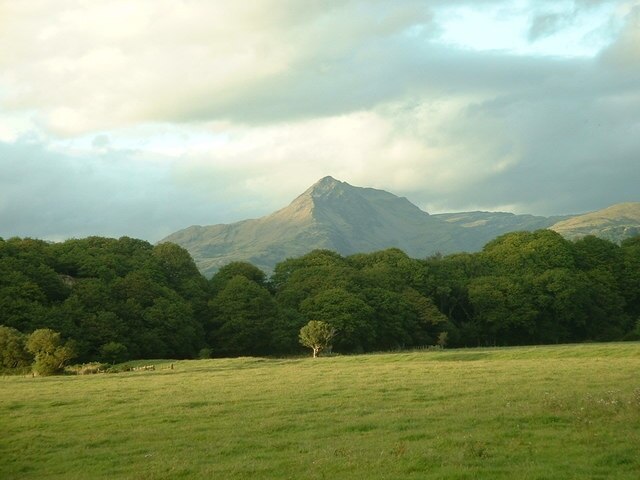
x=205, y=353
x=113, y=352
x=50, y=354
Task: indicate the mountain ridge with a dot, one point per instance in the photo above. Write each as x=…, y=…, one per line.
x=612, y=223
x=332, y=214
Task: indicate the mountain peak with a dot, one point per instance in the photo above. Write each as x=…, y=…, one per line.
x=328, y=180
x=325, y=184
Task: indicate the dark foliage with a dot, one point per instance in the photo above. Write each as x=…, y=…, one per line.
x=124, y=298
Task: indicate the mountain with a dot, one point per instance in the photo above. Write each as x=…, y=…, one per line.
x=614, y=223
x=330, y=214
x=335, y=215
x=485, y=226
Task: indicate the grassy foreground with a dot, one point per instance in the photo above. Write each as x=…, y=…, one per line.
x=519, y=413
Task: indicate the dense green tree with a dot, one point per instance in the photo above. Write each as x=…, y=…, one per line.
x=244, y=315
x=524, y=287
x=94, y=330
x=528, y=252
x=315, y=261
x=448, y=281
x=113, y=352
x=561, y=298
x=429, y=320
x=593, y=252
x=296, y=280
x=22, y=302
x=315, y=258
x=28, y=284
x=99, y=257
x=503, y=308
x=180, y=273
x=392, y=318
x=233, y=269
x=347, y=313
x=284, y=336
x=634, y=334
x=139, y=286
x=175, y=332
x=33, y=267
x=630, y=275
x=607, y=319
x=390, y=269
x=13, y=352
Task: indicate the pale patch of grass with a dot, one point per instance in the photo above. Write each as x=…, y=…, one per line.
x=527, y=413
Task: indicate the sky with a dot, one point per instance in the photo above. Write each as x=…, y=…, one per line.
x=143, y=117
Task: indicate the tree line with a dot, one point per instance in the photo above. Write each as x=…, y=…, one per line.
x=119, y=299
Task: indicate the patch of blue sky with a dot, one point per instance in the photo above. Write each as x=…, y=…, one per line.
x=577, y=32
x=165, y=140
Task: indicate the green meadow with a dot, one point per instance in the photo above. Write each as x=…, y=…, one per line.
x=556, y=412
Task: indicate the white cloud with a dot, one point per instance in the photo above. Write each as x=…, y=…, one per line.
x=364, y=148
x=104, y=64
x=624, y=53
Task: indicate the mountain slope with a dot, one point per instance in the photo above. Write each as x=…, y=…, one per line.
x=338, y=216
x=481, y=227
x=332, y=215
x=614, y=223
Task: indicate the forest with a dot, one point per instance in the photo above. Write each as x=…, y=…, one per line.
x=114, y=300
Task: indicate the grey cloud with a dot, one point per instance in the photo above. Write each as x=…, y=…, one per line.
x=546, y=24
x=570, y=128
x=375, y=74
x=50, y=195
x=378, y=69
x=88, y=76
x=624, y=53
x=576, y=139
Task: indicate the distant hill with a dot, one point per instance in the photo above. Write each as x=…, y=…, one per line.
x=481, y=227
x=614, y=223
x=335, y=215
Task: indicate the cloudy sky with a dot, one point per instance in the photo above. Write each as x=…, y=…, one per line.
x=141, y=117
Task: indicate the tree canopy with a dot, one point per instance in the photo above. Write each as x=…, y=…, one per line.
x=120, y=299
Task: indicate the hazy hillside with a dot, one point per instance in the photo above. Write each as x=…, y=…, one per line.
x=335, y=215
x=614, y=223
x=481, y=227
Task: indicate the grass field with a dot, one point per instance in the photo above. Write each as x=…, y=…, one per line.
x=556, y=412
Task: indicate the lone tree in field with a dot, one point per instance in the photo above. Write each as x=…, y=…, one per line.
x=317, y=336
